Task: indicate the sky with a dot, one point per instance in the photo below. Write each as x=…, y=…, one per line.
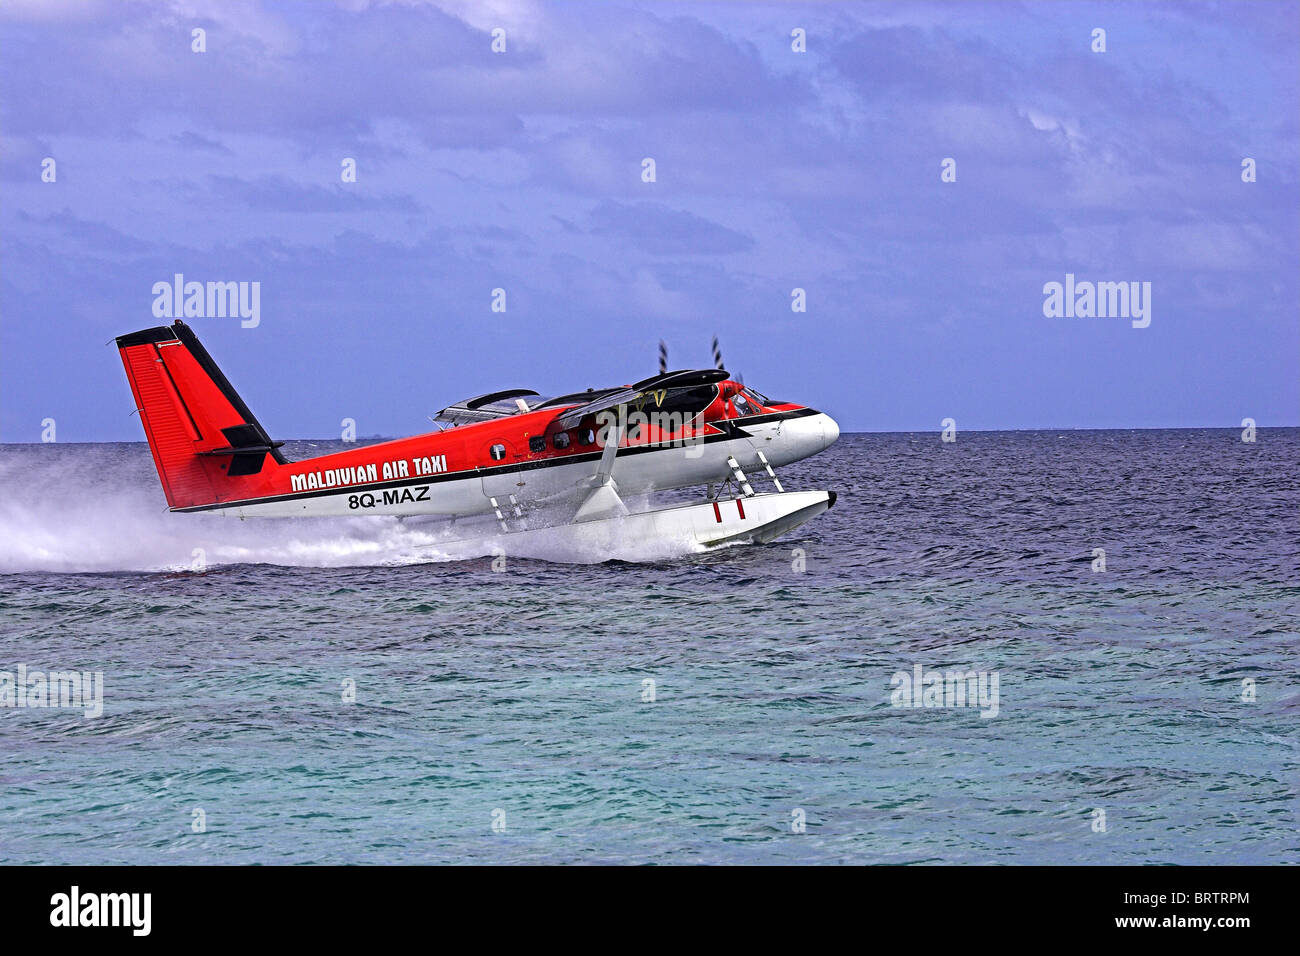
x=921, y=171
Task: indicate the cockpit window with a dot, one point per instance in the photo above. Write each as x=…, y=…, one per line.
x=757, y=398
x=687, y=402
x=743, y=407
x=561, y=440
x=537, y=443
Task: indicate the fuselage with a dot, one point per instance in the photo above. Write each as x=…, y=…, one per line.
x=529, y=458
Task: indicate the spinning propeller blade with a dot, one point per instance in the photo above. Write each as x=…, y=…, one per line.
x=717, y=360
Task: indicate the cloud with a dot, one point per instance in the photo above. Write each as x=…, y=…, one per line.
x=192, y=140
x=279, y=194
x=662, y=231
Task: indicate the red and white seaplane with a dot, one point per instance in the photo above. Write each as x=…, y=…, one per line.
x=527, y=460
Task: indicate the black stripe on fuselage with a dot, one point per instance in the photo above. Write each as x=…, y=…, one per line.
x=730, y=429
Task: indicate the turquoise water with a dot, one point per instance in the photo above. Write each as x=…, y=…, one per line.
x=517, y=696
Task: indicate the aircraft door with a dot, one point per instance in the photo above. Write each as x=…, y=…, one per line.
x=501, y=484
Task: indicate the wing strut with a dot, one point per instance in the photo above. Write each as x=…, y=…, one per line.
x=602, y=500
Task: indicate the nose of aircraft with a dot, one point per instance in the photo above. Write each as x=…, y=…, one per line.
x=830, y=430
x=803, y=436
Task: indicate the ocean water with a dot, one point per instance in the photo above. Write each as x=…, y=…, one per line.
x=1146, y=713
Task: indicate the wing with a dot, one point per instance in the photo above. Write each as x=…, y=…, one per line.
x=680, y=379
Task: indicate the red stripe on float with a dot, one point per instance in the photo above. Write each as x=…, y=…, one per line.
x=716, y=513
x=740, y=508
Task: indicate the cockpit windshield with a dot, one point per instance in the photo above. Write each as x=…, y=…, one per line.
x=749, y=402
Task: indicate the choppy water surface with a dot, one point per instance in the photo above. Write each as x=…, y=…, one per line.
x=521, y=691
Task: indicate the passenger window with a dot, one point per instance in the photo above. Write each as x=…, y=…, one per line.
x=561, y=440
x=537, y=444
x=587, y=437
x=498, y=452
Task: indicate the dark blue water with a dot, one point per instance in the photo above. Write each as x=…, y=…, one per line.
x=1125, y=729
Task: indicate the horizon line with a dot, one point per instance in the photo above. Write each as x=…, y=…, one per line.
x=928, y=431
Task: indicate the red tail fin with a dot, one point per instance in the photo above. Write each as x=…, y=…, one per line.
x=205, y=441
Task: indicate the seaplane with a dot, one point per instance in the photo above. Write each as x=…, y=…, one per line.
x=516, y=460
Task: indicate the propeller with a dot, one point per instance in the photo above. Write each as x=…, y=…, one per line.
x=717, y=360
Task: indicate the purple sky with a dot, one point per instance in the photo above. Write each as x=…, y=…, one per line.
x=775, y=170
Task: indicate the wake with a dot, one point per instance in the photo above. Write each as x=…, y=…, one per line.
x=87, y=508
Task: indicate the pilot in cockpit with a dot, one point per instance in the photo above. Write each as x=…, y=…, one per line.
x=747, y=402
